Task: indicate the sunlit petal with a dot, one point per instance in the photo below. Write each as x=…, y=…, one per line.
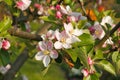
x=39, y=56
x=58, y=45
x=42, y=45
x=54, y=54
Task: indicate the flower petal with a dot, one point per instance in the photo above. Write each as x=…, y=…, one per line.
x=58, y=45
x=42, y=45
x=54, y=54
x=77, y=32
x=46, y=60
x=66, y=46
x=49, y=45
x=58, y=35
x=68, y=27
x=39, y=56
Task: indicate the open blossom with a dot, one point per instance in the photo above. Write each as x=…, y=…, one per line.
x=62, y=40
x=46, y=52
x=39, y=8
x=99, y=32
x=73, y=33
x=107, y=19
x=23, y=4
x=5, y=44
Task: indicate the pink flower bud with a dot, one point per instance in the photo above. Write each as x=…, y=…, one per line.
x=57, y=7
x=90, y=62
x=5, y=44
x=85, y=72
x=58, y=15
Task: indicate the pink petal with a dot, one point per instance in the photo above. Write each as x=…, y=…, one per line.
x=49, y=45
x=85, y=72
x=58, y=35
x=58, y=45
x=50, y=34
x=54, y=54
x=39, y=56
x=68, y=27
x=42, y=45
x=46, y=60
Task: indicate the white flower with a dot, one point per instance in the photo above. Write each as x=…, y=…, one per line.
x=46, y=52
x=23, y=4
x=65, y=10
x=99, y=32
x=107, y=19
x=63, y=40
x=73, y=33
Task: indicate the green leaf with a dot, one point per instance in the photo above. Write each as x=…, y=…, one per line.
x=86, y=39
x=73, y=54
x=118, y=1
x=83, y=57
x=5, y=24
x=115, y=56
x=107, y=66
x=91, y=77
x=9, y=2
x=98, y=55
x=81, y=23
x=49, y=19
x=5, y=57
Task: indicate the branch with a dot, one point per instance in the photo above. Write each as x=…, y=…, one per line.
x=23, y=34
x=101, y=42
x=21, y=59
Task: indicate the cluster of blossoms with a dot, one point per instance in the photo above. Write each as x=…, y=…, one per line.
x=56, y=40
x=4, y=44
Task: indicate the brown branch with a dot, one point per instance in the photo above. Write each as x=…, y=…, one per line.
x=101, y=42
x=23, y=34
x=21, y=59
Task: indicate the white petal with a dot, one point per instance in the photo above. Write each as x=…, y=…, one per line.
x=58, y=45
x=54, y=54
x=72, y=39
x=77, y=32
x=46, y=60
x=58, y=35
x=107, y=19
x=67, y=46
x=39, y=56
x=68, y=27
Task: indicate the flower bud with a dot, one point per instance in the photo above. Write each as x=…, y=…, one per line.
x=5, y=44
x=58, y=15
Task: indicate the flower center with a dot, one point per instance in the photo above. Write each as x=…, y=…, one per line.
x=63, y=40
x=46, y=52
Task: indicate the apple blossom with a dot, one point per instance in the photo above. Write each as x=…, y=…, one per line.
x=73, y=33
x=23, y=4
x=99, y=32
x=5, y=44
x=62, y=40
x=106, y=19
x=46, y=52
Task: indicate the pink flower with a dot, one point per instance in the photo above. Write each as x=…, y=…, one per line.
x=90, y=62
x=58, y=15
x=23, y=4
x=92, y=30
x=85, y=72
x=46, y=52
x=5, y=44
x=50, y=34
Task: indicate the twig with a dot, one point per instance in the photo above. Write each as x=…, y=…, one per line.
x=101, y=42
x=21, y=59
x=23, y=34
